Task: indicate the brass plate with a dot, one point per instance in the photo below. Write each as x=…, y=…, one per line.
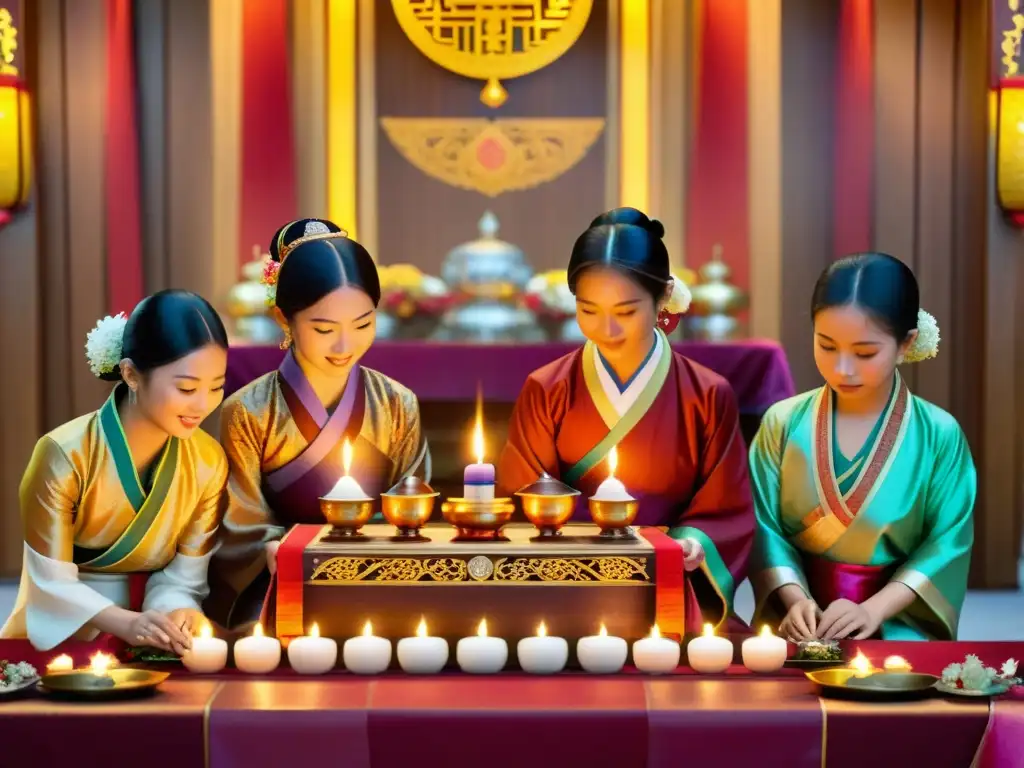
x=117, y=682
x=881, y=685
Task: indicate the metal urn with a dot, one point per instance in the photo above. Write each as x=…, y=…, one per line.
x=716, y=303
x=247, y=305
x=491, y=274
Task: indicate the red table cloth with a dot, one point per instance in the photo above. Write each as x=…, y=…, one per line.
x=449, y=372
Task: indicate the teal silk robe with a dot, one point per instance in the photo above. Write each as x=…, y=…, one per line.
x=900, y=510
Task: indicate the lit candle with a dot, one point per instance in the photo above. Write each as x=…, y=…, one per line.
x=422, y=655
x=861, y=666
x=62, y=663
x=612, y=488
x=257, y=654
x=100, y=663
x=601, y=654
x=312, y=654
x=481, y=655
x=478, y=479
x=347, y=488
x=709, y=653
x=541, y=654
x=897, y=664
x=208, y=654
x=366, y=654
x=764, y=653
x=656, y=654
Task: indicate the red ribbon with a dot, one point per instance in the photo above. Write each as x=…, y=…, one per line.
x=290, y=580
x=669, y=583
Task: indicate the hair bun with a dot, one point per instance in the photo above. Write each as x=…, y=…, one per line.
x=631, y=216
x=656, y=228
x=293, y=230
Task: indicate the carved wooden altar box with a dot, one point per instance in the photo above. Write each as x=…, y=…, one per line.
x=572, y=584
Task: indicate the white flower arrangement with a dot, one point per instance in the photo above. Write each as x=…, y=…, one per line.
x=104, y=343
x=14, y=675
x=681, y=297
x=926, y=345
x=972, y=675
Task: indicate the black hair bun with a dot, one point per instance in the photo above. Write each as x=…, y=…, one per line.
x=632, y=217
x=112, y=376
x=293, y=230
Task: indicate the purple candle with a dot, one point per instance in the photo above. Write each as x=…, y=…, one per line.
x=478, y=481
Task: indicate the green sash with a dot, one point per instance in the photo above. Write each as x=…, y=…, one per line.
x=618, y=427
x=146, y=507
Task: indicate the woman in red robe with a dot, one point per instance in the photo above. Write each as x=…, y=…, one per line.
x=673, y=423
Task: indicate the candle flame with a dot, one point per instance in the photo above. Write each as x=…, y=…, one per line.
x=314, y=631
x=62, y=663
x=478, y=428
x=481, y=631
x=368, y=629
x=346, y=457
x=542, y=630
x=603, y=632
x=101, y=662
x=421, y=630
x=206, y=631
x=257, y=631
x=709, y=630
x=766, y=631
x=613, y=462
x=897, y=664
x=860, y=665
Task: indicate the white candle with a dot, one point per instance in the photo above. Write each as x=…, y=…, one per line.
x=764, y=653
x=423, y=654
x=541, y=654
x=612, y=488
x=367, y=654
x=478, y=479
x=601, y=653
x=656, y=654
x=708, y=653
x=207, y=655
x=347, y=488
x=481, y=655
x=257, y=654
x=312, y=654
x=62, y=663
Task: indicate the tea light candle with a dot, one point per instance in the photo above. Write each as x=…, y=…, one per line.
x=312, y=654
x=708, y=653
x=347, y=488
x=897, y=664
x=861, y=665
x=207, y=655
x=62, y=663
x=481, y=655
x=100, y=663
x=478, y=479
x=601, y=654
x=655, y=654
x=367, y=654
x=612, y=488
x=541, y=654
x=257, y=654
x=422, y=655
x=764, y=653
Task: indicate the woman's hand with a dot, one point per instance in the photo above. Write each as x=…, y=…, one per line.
x=693, y=554
x=157, y=630
x=190, y=620
x=271, y=548
x=801, y=621
x=845, y=618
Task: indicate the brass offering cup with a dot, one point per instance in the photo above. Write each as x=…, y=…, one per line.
x=548, y=513
x=478, y=520
x=614, y=518
x=408, y=513
x=346, y=516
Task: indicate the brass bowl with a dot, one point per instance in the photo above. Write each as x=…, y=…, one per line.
x=119, y=681
x=614, y=517
x=346, y=516
x=879, y=685
x=408, y=513
x=548, y=512
x=478, y=520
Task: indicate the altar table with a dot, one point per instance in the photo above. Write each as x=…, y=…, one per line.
x=512, y=720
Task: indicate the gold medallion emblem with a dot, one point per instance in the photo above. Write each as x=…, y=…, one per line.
x=492, y=40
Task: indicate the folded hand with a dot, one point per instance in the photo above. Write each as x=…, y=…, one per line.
x=693, y=554
x=845, y=618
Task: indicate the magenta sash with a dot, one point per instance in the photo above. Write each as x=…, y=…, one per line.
x=293, y=491
x=830, y=581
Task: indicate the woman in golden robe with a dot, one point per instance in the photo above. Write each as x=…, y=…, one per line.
x=673, y=423
x=284, y=433
x=864, y=492
x=126, y=498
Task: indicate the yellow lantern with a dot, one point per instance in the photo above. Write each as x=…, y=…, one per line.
x=1010, y=150
x=15, y=123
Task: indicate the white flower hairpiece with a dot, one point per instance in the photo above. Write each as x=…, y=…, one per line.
x=679, y=300
x=926, y=344
x=104, y=343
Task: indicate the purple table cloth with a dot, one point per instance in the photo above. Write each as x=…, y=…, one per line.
x=448, y=372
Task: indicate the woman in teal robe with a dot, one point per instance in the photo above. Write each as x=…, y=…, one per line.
x=864, y=492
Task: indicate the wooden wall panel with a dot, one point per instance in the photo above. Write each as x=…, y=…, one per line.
x=420, y=218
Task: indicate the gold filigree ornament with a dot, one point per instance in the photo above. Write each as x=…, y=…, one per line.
x=493, y=156
x=492, y=40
